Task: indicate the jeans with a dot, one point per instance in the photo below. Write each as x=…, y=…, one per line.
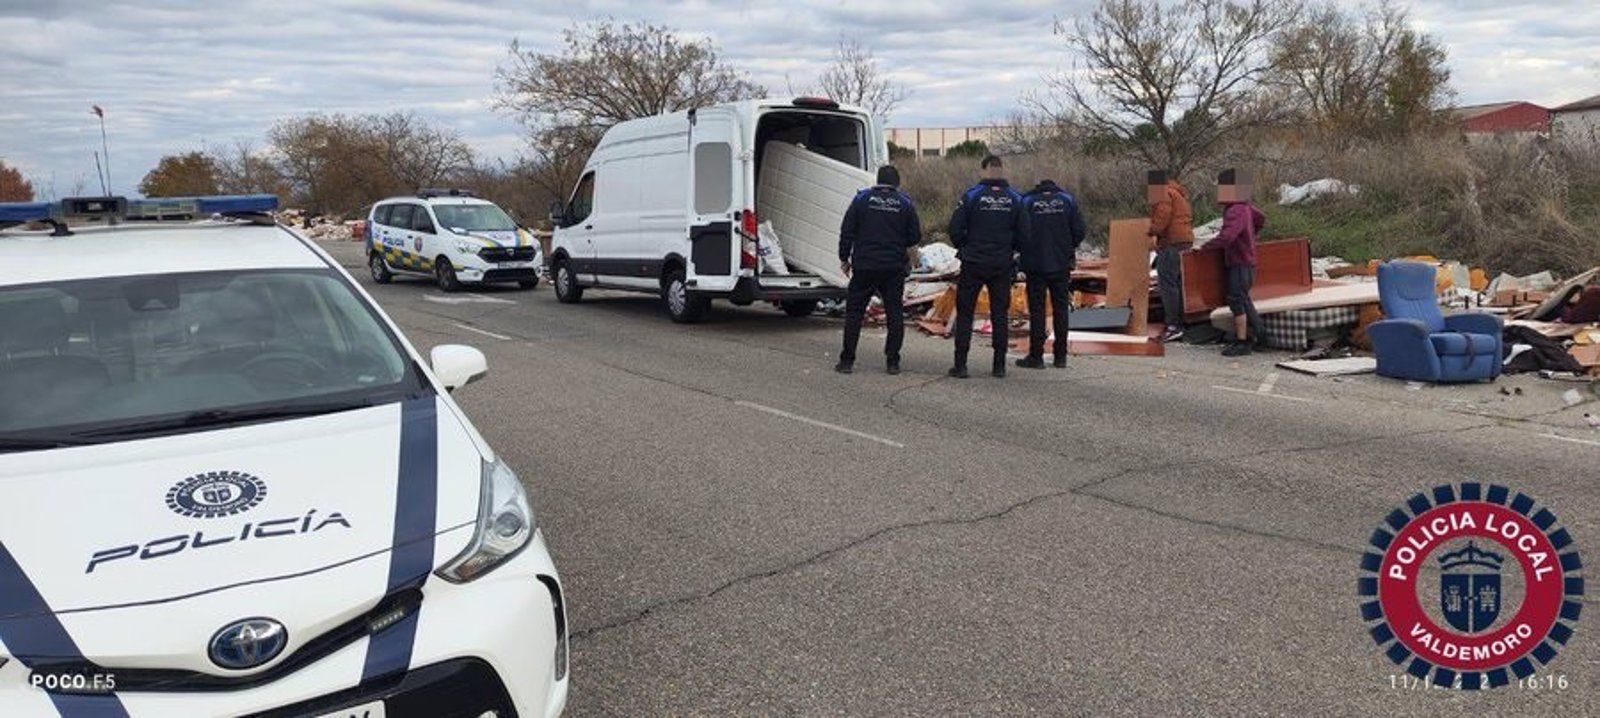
x=1240, y=280
x=998, y=281
x=1054, y=288
x=891, y=286
x=1169, y=282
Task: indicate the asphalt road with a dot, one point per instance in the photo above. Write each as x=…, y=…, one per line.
x=743, y=531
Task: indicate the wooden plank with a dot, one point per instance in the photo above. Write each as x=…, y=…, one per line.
x=1128, y=271
x=1283, y=268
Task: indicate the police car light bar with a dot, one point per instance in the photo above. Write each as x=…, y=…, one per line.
x=113, y=209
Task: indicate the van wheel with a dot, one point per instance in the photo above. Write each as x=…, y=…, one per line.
x=380, y=270
x=567, y=289
x=684, y=307
x=445, y=275
x=798, y=307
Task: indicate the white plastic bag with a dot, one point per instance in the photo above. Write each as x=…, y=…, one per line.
x=769, y=251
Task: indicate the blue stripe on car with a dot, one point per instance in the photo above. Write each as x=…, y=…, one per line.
x=411, y=559
x=34, y=635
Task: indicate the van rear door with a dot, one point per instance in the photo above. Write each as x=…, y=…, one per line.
x=715, y=196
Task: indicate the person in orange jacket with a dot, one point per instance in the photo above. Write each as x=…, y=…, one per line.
x=1171, y=232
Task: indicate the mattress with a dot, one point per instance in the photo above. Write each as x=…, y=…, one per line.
x=805, y=195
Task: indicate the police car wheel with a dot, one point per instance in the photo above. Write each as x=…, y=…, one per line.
x=798, y=307
x=683, y=307
x=446, y=275
x=567, y=289
x=380, y=270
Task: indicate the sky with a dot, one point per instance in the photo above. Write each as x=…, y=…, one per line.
x=180, y=76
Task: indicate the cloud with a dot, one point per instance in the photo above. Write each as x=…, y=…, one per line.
x=180, y=75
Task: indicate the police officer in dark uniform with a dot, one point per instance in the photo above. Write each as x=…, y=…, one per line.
x=879, y=229
x=986, y=228
x=1049, y=252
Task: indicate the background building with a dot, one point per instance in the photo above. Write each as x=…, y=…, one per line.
x=1503, y=118
x=1577, y=120
x=936, y=141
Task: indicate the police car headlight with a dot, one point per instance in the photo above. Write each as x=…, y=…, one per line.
x=505, y=524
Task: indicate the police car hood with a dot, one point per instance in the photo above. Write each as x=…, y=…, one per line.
x=265, y=512
x=505, y=238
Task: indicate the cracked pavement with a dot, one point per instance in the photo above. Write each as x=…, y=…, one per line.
x=1120, y=537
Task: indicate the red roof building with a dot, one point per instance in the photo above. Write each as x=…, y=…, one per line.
x=1502, y=118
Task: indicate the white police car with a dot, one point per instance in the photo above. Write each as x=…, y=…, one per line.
x=451, y=236
x=229, y=486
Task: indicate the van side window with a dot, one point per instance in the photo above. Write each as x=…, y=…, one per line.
x=420, y=221
x=582, y=200
x=399, y=216
x=713, y=177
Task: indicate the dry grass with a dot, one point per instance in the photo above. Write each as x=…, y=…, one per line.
x=1506, y=205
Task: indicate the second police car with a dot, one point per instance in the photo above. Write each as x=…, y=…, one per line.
x=451, y=236
x=230, y=486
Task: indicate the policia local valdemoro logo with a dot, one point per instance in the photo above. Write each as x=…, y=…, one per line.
x=216, y=493
x=1473, y=587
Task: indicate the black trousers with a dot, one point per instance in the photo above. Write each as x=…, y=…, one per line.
x=1052, y=287
x=1169, y=280
x=1240, y=280
x=998, y=281
x=891, y=286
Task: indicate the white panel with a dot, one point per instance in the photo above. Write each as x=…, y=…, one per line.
x=805, y=196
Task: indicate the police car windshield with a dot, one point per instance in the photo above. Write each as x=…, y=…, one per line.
x=86, y=358
x=474, y=217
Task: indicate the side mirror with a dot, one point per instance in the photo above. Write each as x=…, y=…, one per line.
x=458, y=365
x=558, y=214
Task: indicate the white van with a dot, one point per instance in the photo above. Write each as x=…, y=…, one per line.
x=451, y=236
x=667, y=204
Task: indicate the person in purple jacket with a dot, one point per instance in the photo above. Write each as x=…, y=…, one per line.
x=1241, y=222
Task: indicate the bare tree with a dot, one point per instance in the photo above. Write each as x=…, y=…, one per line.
x=339, y=163
x=241, y=169
x=1339, y=67
x=855, y=78
x=1165, y=82
x=607, y=73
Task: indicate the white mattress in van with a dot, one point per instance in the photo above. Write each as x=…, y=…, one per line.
x=804, y=195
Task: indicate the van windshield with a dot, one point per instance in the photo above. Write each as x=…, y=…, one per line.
x=93, y=360
x=473, y=218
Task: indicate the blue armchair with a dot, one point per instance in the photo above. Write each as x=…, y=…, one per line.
x=1417, y=341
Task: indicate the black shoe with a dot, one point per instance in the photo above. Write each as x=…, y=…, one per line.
x=1237, y=349
x=893, y=367
x=1061, y=361
x=999, y=371
x=957, y=372
x=845, y=367
x=1031, y=362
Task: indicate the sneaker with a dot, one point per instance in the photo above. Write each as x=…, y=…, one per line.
x=1061, y=361
x=1172, y=334
x=1237, y=349
x=1031, y=362
x=957, y=372
x=893, y=367
x=845, y=367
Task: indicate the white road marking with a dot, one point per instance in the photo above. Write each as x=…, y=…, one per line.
x=1258, y=393
x=1568, y=438
x=476, y=330
x=1268, y=383
x=465, y=299
x=823, y=424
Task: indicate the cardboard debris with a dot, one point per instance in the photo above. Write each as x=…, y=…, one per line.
x=1332, y=367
